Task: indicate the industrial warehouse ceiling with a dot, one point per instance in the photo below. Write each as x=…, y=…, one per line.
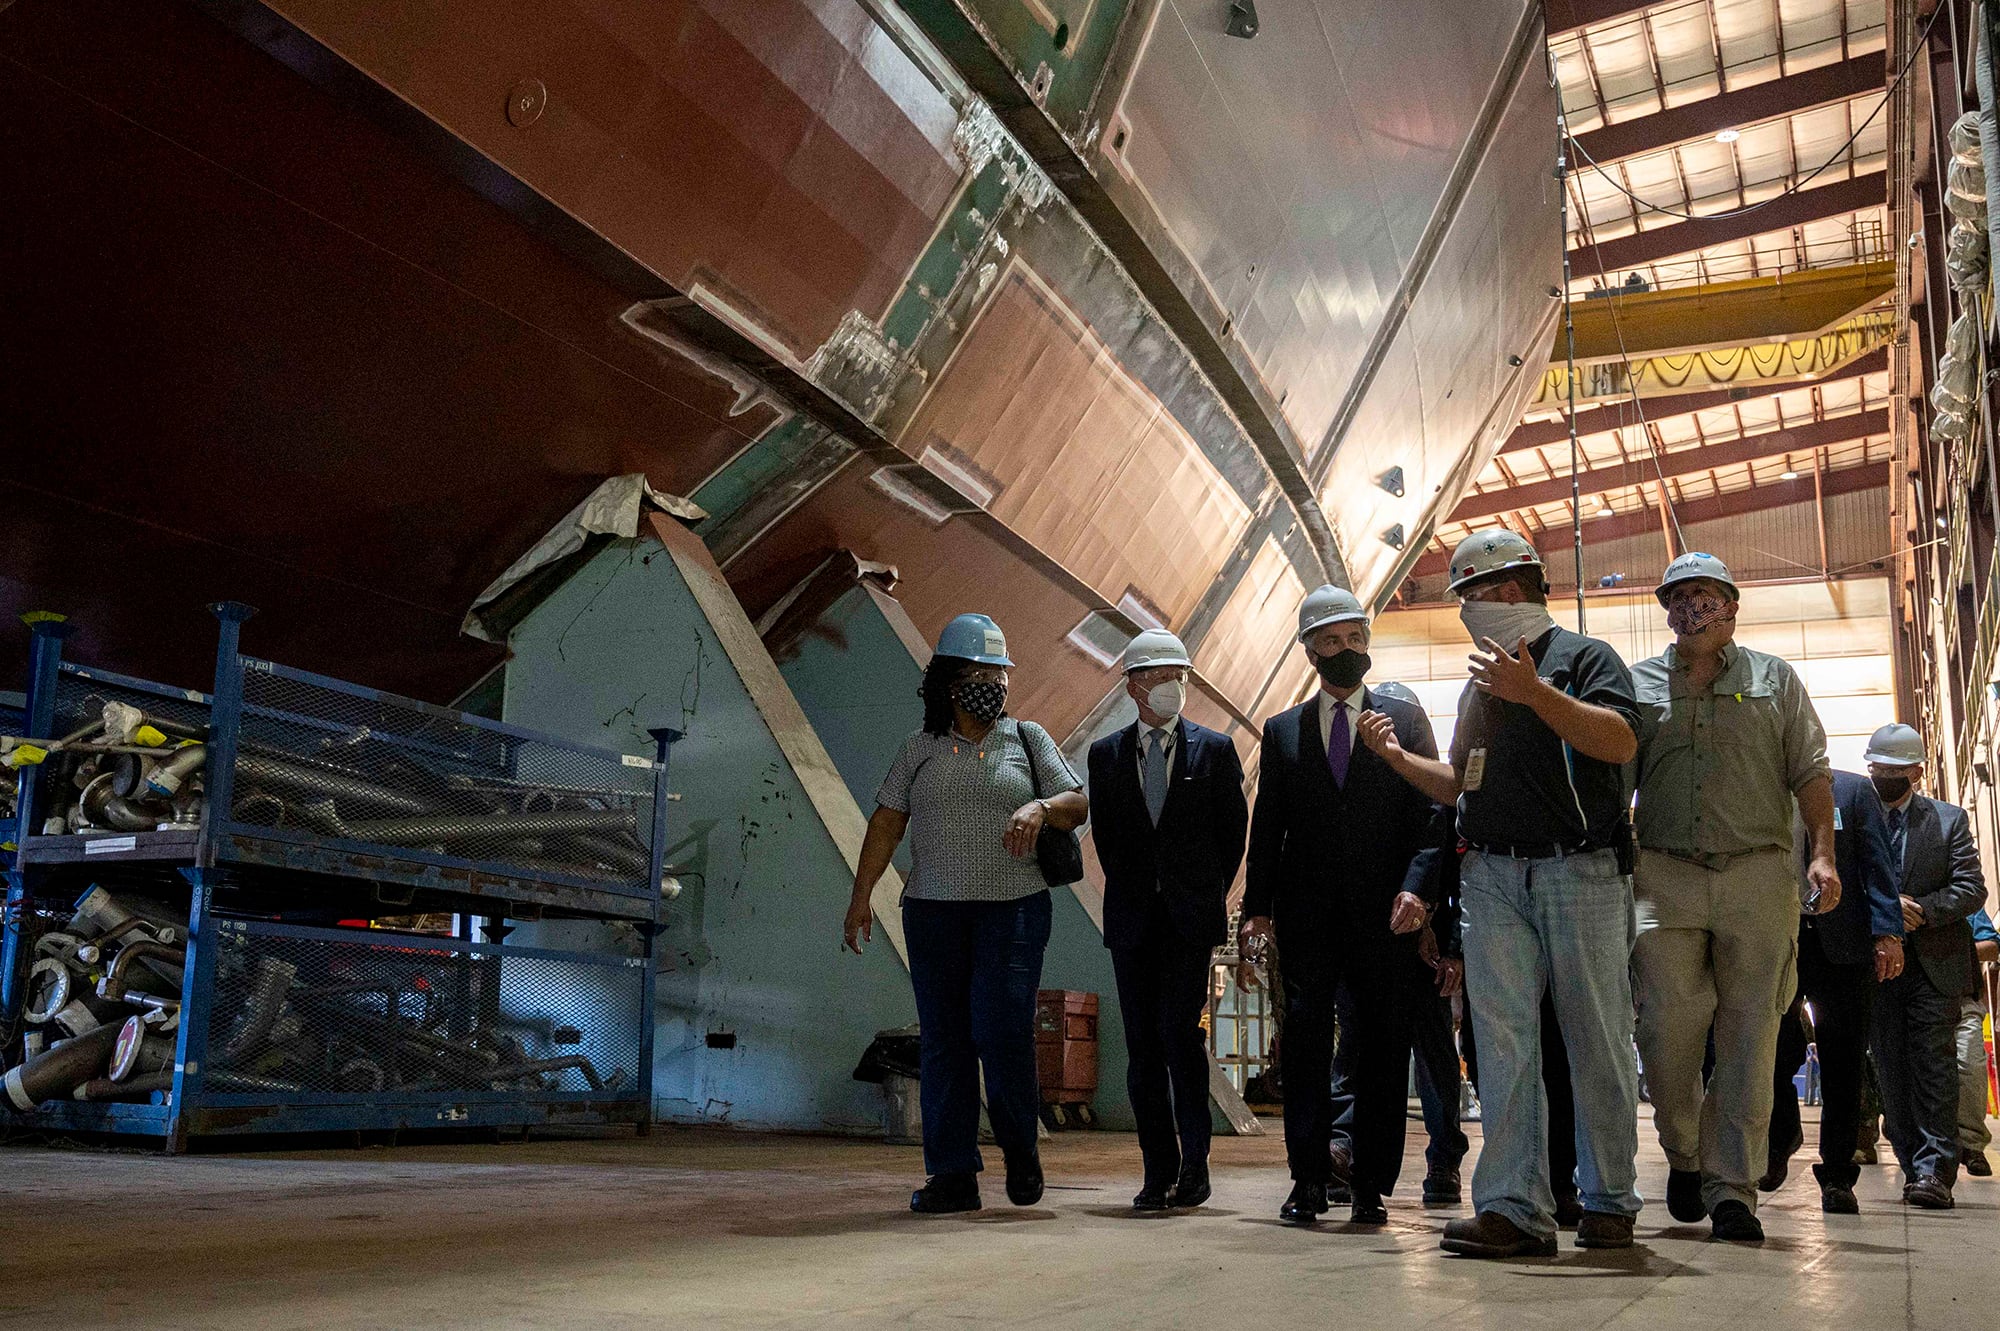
x=1728, y=184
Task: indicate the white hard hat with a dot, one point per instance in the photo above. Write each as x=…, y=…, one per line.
x=1328, y=604
x=1154, y=647
x=1391, y=689
x=1486, y=552
x=1896, y=745
x=1695, y=564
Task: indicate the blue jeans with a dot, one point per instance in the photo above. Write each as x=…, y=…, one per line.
x=975, y=967
x=1565, y=925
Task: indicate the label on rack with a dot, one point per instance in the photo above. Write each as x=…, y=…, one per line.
x=110, y=845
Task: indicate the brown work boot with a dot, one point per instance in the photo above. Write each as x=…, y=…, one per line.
x=1490, y=1234
x=1603, y=1229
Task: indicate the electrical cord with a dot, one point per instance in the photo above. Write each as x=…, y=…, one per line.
x=1916, y=49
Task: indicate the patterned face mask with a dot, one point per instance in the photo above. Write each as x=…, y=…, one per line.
x=981, y=701
x=1693, y=611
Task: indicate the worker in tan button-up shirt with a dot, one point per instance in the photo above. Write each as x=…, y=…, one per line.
x=1728, y=743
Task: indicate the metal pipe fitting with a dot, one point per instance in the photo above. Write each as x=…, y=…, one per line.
x=166, y=963
x=105, y=809
x=164, y=781
x=138, y=1051
x=55, y=1073
x=103, y=1088
x=261, y=1009
x=317, y=783
x=461, y=827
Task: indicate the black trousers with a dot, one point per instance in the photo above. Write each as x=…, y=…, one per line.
x=1842, y=997
x=1916, y=1062
x=1162, y=992
x=1381, y=1046
x=1556, y=1087
x=1435, y=1055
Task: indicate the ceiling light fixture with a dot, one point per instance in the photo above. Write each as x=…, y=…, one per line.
x=1728, y=135
x=1788, y=475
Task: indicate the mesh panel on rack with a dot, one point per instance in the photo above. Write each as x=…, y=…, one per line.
x=155, y=782
x=361, y=1013
x=365, y=767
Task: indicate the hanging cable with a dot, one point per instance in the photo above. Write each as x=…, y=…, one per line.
x=1569, y=363
x=1797, y=185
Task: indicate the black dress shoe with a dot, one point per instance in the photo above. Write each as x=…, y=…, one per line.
x=1306, y=1204
x=1836, y=1200
x=1367, y=1208
x=1441, y=1187
x=945, y=1193
x=1736, y=1223
x=1569, y=1213
x=1977, y=1165
x=1775, y=1174
x=1152, y=1197
x=1930, y=1192
x=1024, y=1178
x=1684, y=1195
x=1338, y=1194
x=1193, y=1188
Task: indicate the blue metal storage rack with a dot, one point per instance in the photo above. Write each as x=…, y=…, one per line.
x=325, y=800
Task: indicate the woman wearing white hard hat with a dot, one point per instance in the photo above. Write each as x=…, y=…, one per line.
x=974, y=789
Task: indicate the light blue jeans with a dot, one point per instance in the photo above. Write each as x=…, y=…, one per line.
x=1566, y=925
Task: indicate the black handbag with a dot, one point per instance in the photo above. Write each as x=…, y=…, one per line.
x=1058, y=850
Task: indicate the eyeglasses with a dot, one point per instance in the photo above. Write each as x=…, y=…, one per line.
x=984, y=675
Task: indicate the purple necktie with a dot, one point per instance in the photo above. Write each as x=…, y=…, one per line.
x=1338, y=746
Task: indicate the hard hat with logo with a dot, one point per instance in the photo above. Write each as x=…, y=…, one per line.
x=974, y=638
x=1154, y=647
x=1695, y=564
x=1392, y=689
x=1896, y=745
x=1488, y=552
x=1328, y=604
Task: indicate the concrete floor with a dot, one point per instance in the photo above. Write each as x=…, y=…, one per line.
x=713, y=1229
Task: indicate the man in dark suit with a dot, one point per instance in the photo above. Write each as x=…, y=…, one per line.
x=1168, y=820
x=1331, y=839
x=1916, y=1014
x=1843, y=955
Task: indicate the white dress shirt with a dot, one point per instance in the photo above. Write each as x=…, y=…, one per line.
x=1172, y=733
x=1355, y=704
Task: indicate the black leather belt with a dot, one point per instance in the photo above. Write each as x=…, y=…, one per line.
x=1535, y=850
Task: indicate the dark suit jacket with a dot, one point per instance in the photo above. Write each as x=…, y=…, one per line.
x=1190, y=859
x=1941, y=873
x=1327, y=862
x=1870, y=906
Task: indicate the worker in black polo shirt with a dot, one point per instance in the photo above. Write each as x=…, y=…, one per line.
x=1544, y=725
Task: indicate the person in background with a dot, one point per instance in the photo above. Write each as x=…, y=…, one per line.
x=1428, y=990
x=1169, y=825
x=976, y=909
x=1332, y=836
x=1545, y=724
x=1973, y=1134
x=1916, y=1014
x=1843, y=955
x=1728, y=743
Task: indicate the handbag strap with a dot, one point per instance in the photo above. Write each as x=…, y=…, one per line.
x=1034, y=768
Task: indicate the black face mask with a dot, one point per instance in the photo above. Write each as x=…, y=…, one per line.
x=1344, y=669
x=981, y=701
x=1890, y=788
